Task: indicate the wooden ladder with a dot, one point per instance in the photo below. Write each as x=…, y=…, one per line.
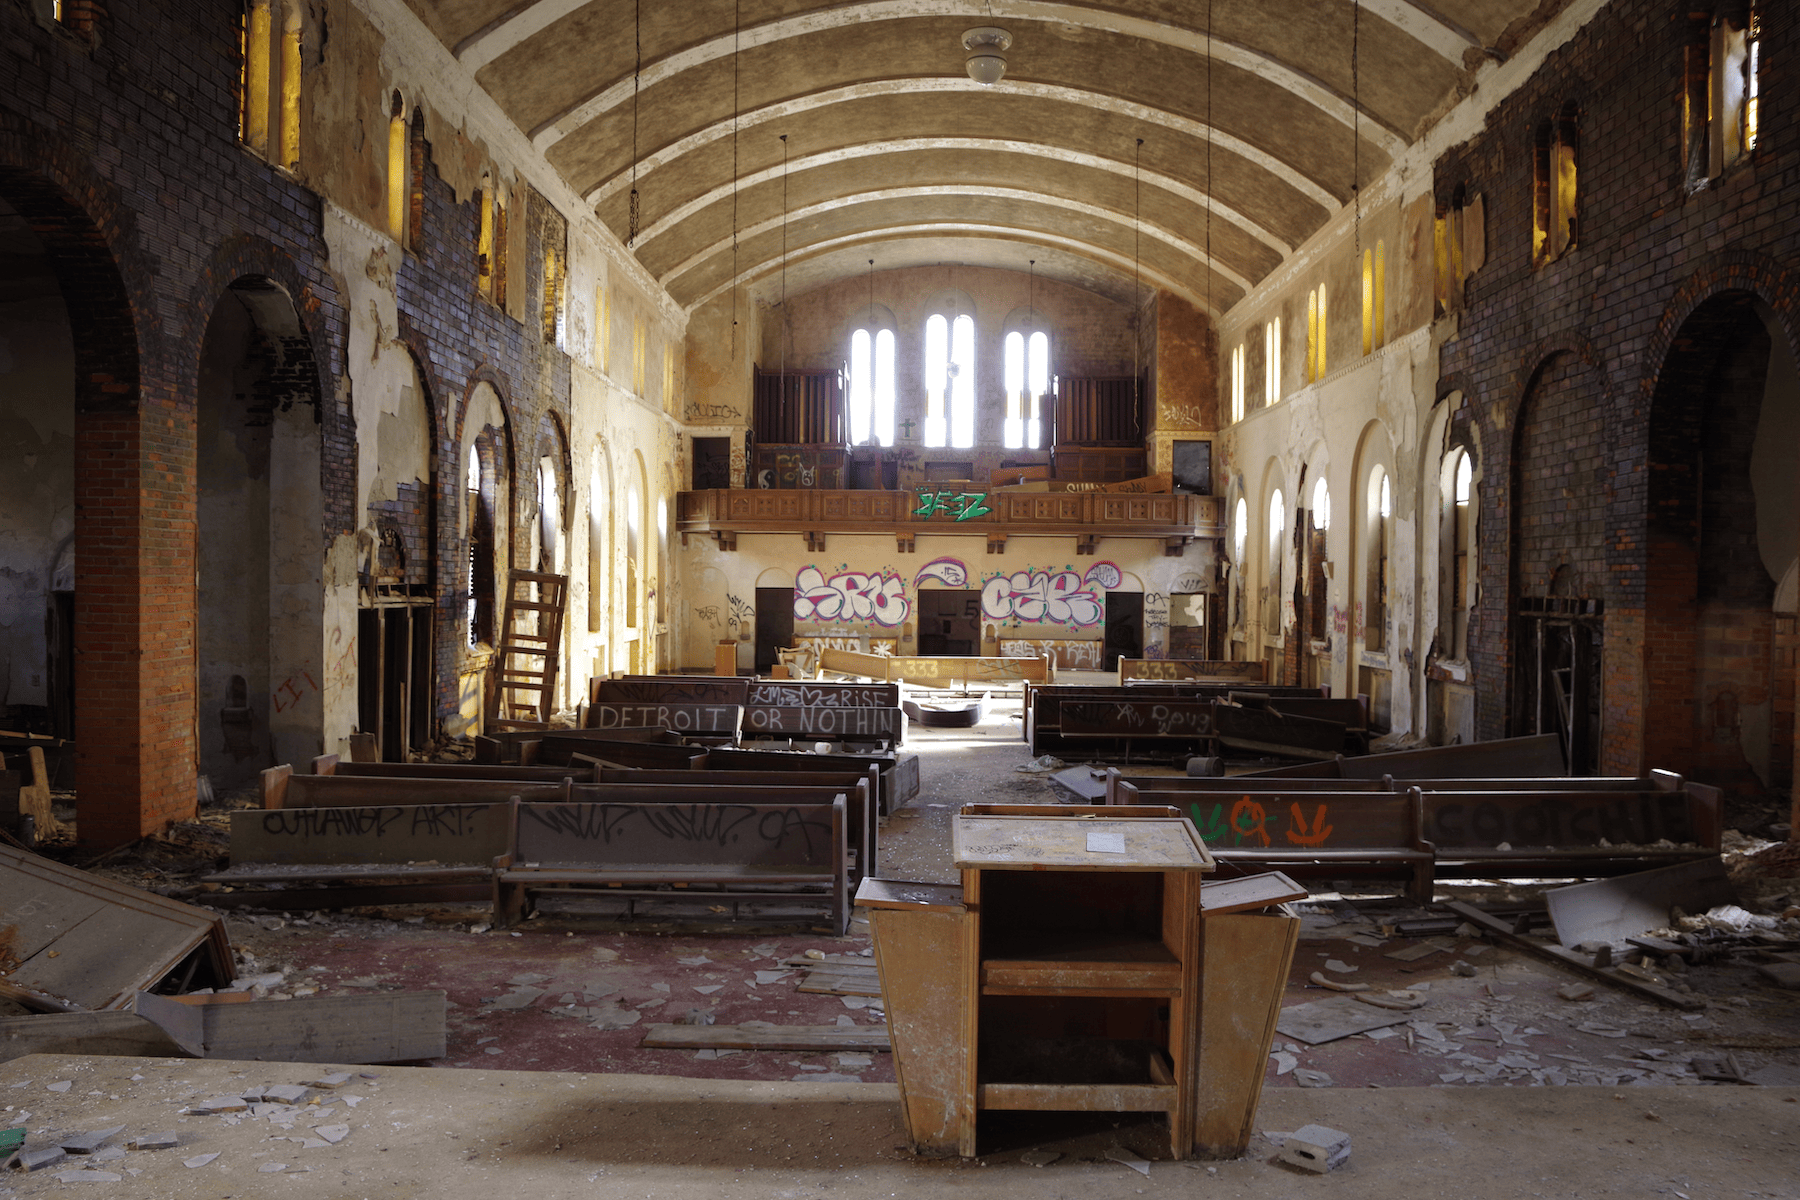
x=524, y=691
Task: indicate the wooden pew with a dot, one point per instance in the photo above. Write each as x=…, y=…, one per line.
x=883, y=726
x=364, y=854
x=1043, y=728
x=899, y=772
x=329, y=764
x=748, y=850
x=1189, y=670
x=668, y=689
x=282, y=789
x=1539, y=754
x=862, y=788
x=651, y=748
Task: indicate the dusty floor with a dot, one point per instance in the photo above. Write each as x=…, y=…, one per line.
x=547, y=1020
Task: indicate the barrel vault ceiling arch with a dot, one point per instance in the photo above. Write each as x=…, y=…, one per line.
x=893, y=153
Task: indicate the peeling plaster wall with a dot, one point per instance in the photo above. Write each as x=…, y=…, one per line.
x=37, y=458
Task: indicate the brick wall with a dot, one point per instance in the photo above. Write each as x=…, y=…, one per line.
x=1649, y=252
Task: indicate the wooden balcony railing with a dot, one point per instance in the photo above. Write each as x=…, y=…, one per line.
x=1087, y=516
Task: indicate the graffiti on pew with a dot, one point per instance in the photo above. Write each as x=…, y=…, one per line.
x=804, y=696
x=1127, y=718
x=1628, y=819
x=1249, y=824
x=696, y=824
x=402, y=820
x=830, y=722
x=704, y=718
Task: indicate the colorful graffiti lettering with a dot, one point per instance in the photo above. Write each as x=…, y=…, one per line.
x=962, y=506
x=1059, y=597
x=850, y=596
x=947, y=571
x=1249, y=824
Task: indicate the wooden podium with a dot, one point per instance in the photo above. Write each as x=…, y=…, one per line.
x=1066, y=974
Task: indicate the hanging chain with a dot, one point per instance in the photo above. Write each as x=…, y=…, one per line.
x=737, y=108
x=1211, y=63
x=1356, y=125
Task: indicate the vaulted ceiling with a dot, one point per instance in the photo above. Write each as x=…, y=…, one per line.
x=1251, y=108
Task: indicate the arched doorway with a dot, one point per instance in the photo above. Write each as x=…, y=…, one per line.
x=1723, y=534
x=259, y=674
x=1560, y=505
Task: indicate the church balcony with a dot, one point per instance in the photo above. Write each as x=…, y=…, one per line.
x=1087, y=516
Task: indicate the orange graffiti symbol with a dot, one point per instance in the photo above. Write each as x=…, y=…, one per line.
x=1300, y=835
x=1253, y=827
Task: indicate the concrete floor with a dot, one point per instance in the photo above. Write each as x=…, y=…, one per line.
x=1447, y=1106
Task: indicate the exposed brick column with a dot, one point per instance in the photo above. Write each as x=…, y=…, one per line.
x=134, y=621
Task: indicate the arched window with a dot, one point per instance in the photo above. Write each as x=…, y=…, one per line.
x=600, y=510
x=1240, y=531
x=1315, y=334
x=634, y=525
x=268, y=81
x=1237, y=383
x=480, y=496
x=1027, y=379
x=396, y=169
x=1379, y=507
x=1720, y=114
x=872, y=386
x=962, y=382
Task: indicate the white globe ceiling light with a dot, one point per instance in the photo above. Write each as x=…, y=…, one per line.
x=987, y=48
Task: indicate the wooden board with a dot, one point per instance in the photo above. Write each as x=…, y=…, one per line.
x=906, y=895
x=116, y=1033
x=780, y=694
x=883, y=724
x=90, y=943
x=395, y=834
x=680, y=718
x=923, y=957
x=383, y=1028
x=1030, y=842
x=1539, y=754
x=1273, y=731
x=1244, y=966
x=821, y=1038
x=353, y=791
x=1581, y=964
x=1223, y=896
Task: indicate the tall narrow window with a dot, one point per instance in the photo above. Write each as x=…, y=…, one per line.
x=553, y=288
x=1312, y=336
x=1272, y=361
x=484, y=239
x=668, y=378
x=1037, y=385
x=1237, y=383
x=256, y=76
x=1368, y=301
x=962, y=382
x=937, y=379
x=1013, y=427
x=1318, y=623
x=1272, y=613
x=1555, y=199
x=1379, y=510
x=640, y=337
x=1462, y=541
x=600, y=510
x=396, y=169
x=603, y=329
x=1380, y=293
x=290, y=88
x=634, y=523
x=500, y=246
x=871, y=394
x=480, y=499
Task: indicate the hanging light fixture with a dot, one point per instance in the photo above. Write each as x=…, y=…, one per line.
x=637, y=74
x=987, y=47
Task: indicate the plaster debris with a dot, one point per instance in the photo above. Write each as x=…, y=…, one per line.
x=1311, y=1079
x=62, y=1085
x=1039, y=1158
x=199, y=1160
x=88, y=1176
x=1466, y=970
x=1576, y=991
x=1125, y=1157
x=218, y=1104
x=166, y=1140
x=285, y=1093
x=1342, y=968
x=1284, y=1062
x=707, y=989
x=87, y=1143
x=332, y=1133
x=329, y=1082
x=272, y=1168
x=38, y=1159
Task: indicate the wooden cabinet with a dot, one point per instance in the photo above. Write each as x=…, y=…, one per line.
x=1076, y=966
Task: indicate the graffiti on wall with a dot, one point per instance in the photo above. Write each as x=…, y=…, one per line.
x=948, y=571
x=850, y=596
x=957, y=505
x=1054, y=597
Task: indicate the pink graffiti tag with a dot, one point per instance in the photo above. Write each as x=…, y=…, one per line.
x=850, y=596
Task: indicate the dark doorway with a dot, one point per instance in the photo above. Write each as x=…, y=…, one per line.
x=774, y=625
x=394, y=700
x=1124, y=627
x=712, y=463
x=1556, y=683
x=1192, y=464
x=60, y=640
x=949, y=621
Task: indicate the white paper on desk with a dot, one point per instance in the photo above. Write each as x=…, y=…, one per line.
x=1101, y=841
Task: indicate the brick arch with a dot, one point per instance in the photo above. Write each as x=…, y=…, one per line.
x=1726, y=271
x=92, y=241
x=231, y=263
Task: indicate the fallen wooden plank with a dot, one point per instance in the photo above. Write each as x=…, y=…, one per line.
x=844, y=960
x=821, y=984
x=395, y=1027
x=1578, y=963
x=116, y=1033
x=86, y=942
x=767, y=1037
